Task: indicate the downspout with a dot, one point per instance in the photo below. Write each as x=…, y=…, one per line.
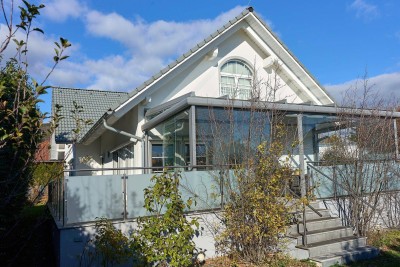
x=132, y=137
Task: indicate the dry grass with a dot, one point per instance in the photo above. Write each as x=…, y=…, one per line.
x=275, y=260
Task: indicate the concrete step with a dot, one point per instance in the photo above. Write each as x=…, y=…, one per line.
x=311, y=215
x=334, y=245
x=346, y=256
x=314, y=225
x=315, y=204
x=325, y=234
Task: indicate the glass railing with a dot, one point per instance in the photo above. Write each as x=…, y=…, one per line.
x=354, y=178
x=81, y=199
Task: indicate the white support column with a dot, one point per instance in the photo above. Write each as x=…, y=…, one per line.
x=301, y=154
x=396, y=138
x=192, y=135
x=146, y=153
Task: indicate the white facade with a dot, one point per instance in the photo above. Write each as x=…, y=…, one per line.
x=276, y=75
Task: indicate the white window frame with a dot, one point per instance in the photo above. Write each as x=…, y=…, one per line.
x=119, y=162
x=235, y=90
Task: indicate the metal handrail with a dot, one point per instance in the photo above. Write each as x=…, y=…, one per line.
x=190, y=167
x=335, y=184
x=60, y=210
x=304, y=234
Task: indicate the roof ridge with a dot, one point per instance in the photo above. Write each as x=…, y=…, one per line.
x=91, y=90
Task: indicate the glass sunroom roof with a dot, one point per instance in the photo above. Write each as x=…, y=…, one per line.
x=181, y=103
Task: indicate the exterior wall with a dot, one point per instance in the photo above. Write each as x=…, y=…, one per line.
x=70, y=242
x=43, y=152
x=203, y=76
x=87, y=157
x=110, y=141
x=53, y=148
x=60, y=151
x=308, y=152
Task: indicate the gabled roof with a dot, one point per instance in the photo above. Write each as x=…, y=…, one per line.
x=292, y=63
x=94, y=104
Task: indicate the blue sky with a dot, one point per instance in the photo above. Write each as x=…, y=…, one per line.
x=119, y=44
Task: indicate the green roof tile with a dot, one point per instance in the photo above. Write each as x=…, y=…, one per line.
x=94, y=104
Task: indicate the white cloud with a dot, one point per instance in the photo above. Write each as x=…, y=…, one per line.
x=385, y=86
x=60, y=10
x=40, y=52
x=149, y=46
x=364, y=10
x=160, y=38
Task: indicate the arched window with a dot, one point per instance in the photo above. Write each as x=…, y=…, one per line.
x=236, y=79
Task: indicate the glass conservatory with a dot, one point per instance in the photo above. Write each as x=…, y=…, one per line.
x=205, y=138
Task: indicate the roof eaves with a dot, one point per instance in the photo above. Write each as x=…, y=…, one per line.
x=94, y=128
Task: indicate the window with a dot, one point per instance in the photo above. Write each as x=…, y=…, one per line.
x=60, y=155
x=163, y=155
x=236, y=79
x=123, y=158
x=169, y=142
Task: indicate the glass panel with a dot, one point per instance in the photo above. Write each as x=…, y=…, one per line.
x=135, y=194
x=236, y=67
x=170, y=142
x=228, y=86
x=228, y=67
x=378, y=174
x=242, y=69
x=61, y=155
x=244, y=88
x=91, y=197
x=203, y=187
x=157, y=158
x=228, y=80
x=236, y=80
x=244, y=82
x=227, y=136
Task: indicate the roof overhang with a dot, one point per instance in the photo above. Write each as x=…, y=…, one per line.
x=261, y=105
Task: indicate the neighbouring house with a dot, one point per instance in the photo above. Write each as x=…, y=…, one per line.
x=166, y=121
x=43, y=150
x=45, y=167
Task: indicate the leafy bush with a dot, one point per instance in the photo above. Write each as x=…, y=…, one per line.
x=385, y=238
x=256, y=213
x=166, y=237
x=110, y=247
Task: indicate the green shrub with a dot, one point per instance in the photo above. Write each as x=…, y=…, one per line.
x=166, y=236
x=385, y=238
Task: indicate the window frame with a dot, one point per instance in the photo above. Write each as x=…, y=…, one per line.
x=236, y=91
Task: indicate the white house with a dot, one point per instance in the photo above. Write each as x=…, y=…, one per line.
x=162, y=123
x=225, y=63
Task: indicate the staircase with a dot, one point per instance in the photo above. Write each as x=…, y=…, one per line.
x=328, y=242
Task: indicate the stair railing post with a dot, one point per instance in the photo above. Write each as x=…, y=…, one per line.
x=124, y=186
x=221, y=186
x=334, y=182
x=304, y=226
x=301, y=155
